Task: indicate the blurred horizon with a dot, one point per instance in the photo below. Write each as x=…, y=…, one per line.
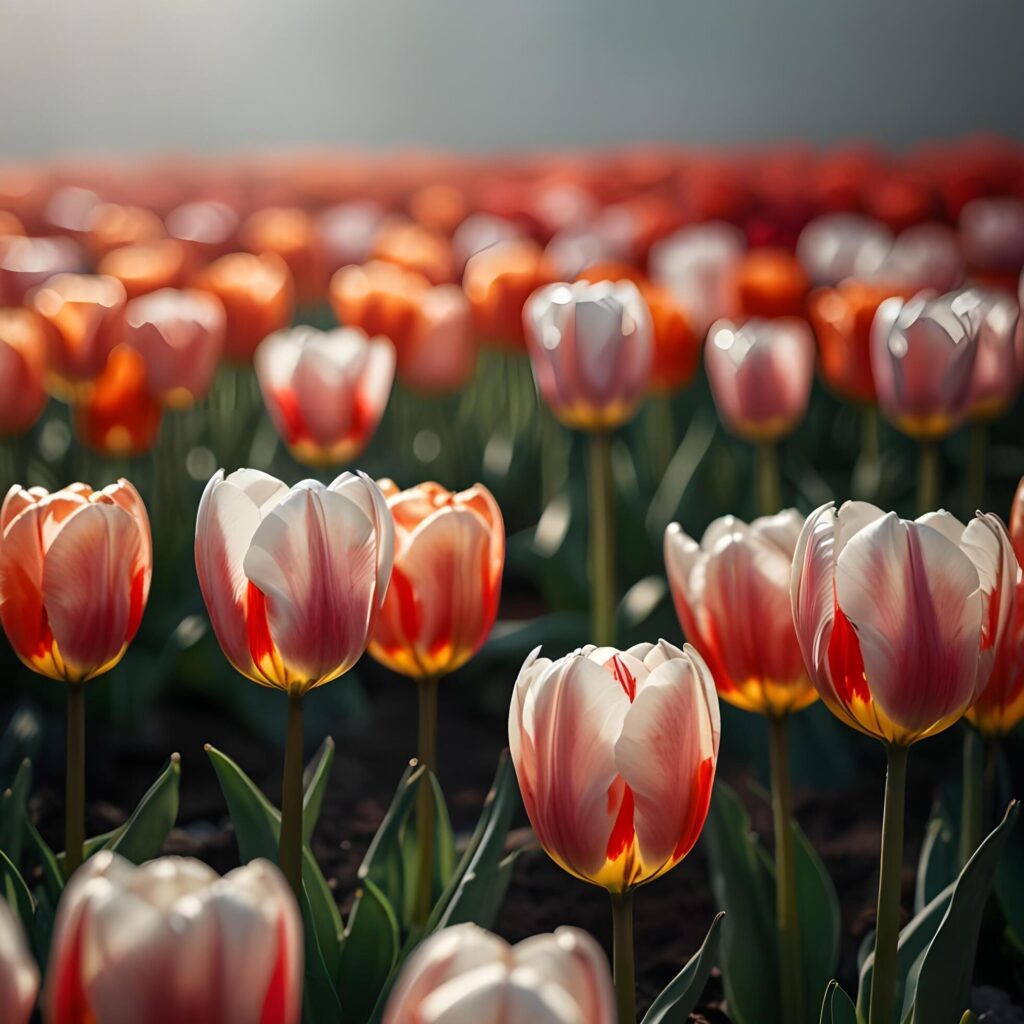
x=254, y=75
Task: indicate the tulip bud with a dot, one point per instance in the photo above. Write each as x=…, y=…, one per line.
x=22, y=370
x=761, y=375
x=466, y=973
x=75, y=568
x=180, y=335
x=172, y=941
x=615, y=752
x=922, y=356
x=446, y=580
x=731, y=593
x=293, y=579
x=19, y=976
x=1000, y=707
x=591, y=347
x=899, y=621
x=325, y=390
x=841, y=245
x=258, y=296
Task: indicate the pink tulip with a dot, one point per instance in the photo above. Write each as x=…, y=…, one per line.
x=19, y=976
x=171, y=942
x=75, y=569
x=996, y=378
x=180, y=336
x=698, y=265
x=899, y=621
x=26, y=263
x=464, y=974
x=923, y=256
x=446, y=581
x=841, y=245
x=439, y=354
x=480, y=231
x=761, y=375
x=922, y=356
x=731, y=593
x=591, y=346
x=293, y=579
x=615, y=753
x=325, y=390
x=348, y=232
x=992, y=233
x=22, y=370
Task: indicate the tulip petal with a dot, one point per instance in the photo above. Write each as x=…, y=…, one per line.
x=19, y=976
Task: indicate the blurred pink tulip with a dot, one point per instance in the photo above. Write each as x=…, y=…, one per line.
x=992, y=233
x=326, y=391
x=171, y=941
x=180, y=335
x=996, y=378
x=75, y=569
x=841, y=245
x=209, y=229
x=899, y=621
x=591, y=346
x=22, y=370
x=731, y=593
x=348, y=232
x=19, y=976
x=922, y=357
x=25, y=263
x=923, y=256
x=615, y=752
x=467, y=974
x=761, y=375
x=293, y=579
x=480, y=231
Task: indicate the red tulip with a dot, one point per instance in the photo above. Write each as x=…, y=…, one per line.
x=22, y=370
x=19, y=976
x=770, y=283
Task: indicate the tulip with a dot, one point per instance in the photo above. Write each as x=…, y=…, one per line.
x=770, y=283
x=207, y=228
x=478, y=232
x=258, y=296
x=75, y=569
x=22, y=370
x=615, y=752
x=348, y=233
x=731, y=593
x=991, y=232
x=922, y=355
x=837, y=246
x=19, y=976
x=86, y=319
x=924, y=256
x=111, y=226
x=414, y=247
x=26, y=263
x=294, y=581
x=466, y=973
x=147, y=266
x=180, y=335
x=899, y=623
x=290, y=233
x=325, y=390
x=591, y=348
x=172, y=941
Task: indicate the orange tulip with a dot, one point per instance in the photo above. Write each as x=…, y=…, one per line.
x=10, y=225
x=416, y=248
x=443, y=598
x=207, y=229
x=112, y=226
x=75, y=569
x=770, y=283
x=290, y=233
x=147, y=266
x=257, y=293
x=22, y=370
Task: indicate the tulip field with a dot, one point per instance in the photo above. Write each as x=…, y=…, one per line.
x=572, y=588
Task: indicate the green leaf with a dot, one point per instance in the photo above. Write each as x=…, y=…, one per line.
x=969, y=1018
x=444, y=852
x=314, y=784
x=1010, y=887
x=369, y=955
x=938, y=865
x=837, y=1007
x=819, y=916
x=257, y=828
x=12, y=812
x=53, y=876
x=677, y=1001
x=142, y=836
x=17, y=894
x=944, y=979
x=743, y=887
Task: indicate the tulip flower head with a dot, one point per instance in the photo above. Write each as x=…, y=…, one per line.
x=922, y=356
x=925, y=256
x=731, y=593
x=326, y=391
x=446, y=580
x=180, y=335
x=591, y=346
x=26, y=263
x=171, y=941
x=289, y=233
x=293, y=579
x=760, y=375
x=996, y=377
x=900, y=622
x=22, y=370
x=148, y=266
x=466, y=973
x=19, y=976
x=615, y=752
x=838, y=246
x=75, y=569
x=770, y=283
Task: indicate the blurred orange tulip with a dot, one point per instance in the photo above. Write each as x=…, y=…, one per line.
x=416, y=248
x=112, y=226
x=22, y=369
x=147, y=266
x=290, y=233
x=26, y=263
x=10, y=225
x=770, y=283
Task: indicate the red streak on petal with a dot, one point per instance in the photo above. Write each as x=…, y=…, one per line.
x=626, y=679
x=408, y=608
x=137, y=603
x=261, y=644
x=623, y=832
x=700, y=801
x=845, y=661
x=275, y=1009
x=293, y=422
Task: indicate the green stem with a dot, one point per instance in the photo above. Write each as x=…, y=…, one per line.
x=290, y=854
x=976, y=462
x=866, y=473
x=887, y=926
x=425, y=799
x=660, y=429
x=786, y=913
x=602, y=538
x=74, y=797
x=625, y=968
x=972, y=798
x=928, y=472
x=769, y=482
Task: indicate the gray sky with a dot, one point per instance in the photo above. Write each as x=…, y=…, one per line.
x=218, y=75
